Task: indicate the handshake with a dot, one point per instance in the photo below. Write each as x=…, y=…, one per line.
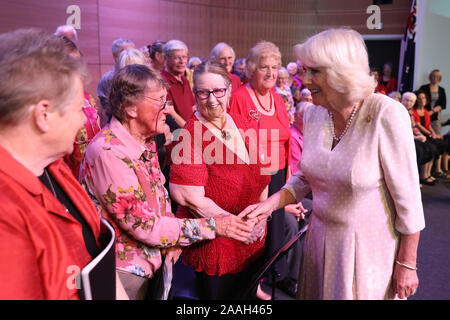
x=250, y=225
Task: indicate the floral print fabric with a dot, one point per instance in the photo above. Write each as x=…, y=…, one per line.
x=125, y=181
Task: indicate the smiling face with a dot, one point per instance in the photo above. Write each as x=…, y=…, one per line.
x=408, y=101
x=421, y=100
x=282, y=79
x=226, y=59
x=315, y=79
x=266, y=73
x=177, y=61
x=212, y=108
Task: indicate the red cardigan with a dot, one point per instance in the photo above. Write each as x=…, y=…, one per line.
x=41, y=245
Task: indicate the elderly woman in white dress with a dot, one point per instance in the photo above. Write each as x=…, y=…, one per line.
x=359, y=162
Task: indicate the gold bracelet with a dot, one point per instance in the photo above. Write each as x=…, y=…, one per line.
x=405, y=265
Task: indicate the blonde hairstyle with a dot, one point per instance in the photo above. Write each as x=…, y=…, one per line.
x=130, y=56
x=436, y=71
x=343, y=53
x=261, y=50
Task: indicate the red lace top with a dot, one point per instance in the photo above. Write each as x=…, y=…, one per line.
x=232, y=187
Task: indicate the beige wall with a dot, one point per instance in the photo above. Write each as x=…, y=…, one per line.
x=199, y=23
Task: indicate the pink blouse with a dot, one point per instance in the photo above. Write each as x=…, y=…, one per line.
x=124, y=179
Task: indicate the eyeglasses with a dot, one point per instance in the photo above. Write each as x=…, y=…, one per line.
x=165, y=103
x=180, y=58
x=204, y=94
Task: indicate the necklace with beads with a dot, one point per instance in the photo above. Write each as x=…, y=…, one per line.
x=225, y=134
x=349, y=122
x=260, y=104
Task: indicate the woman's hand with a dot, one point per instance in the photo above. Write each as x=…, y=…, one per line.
x=405, y=281
x=167, y=135
x=234, y=227
x=258, y=231
x=296, y=210
x=173, y=253
x=260, y=211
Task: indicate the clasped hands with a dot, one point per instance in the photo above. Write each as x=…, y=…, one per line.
x=250, y=225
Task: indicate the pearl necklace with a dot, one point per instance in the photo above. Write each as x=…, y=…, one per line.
x=349, y=122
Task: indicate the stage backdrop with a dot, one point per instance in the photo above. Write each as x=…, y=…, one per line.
x=199, y=23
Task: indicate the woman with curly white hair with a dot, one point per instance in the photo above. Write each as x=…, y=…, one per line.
x=359, y=162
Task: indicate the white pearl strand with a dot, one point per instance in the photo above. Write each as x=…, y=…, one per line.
x=349, y=122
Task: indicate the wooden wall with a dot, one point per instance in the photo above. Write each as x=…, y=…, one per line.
x=199, y=23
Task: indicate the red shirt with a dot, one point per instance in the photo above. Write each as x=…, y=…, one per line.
x=41, y=245
x=426, y=116
x=390, y=86
x=241, y=103
x=181, y=95
x=235, y=82
x=84, y=136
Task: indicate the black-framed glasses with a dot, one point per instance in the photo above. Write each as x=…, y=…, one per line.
x=165, y=103
x=204, y=94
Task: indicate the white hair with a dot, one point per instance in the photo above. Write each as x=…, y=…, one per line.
x=218, y=49
x=410, y=95
x=291, y=66
x=193, y=59
x=343, y=53
x=283, y=70
x=173, y=45
x=130, y=56
x=64, y=29
x=305, y=92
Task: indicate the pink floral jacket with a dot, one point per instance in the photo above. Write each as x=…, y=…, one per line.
x=125, y=181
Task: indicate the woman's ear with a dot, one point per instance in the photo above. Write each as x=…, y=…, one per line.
x=131, y=111
x=41, y=115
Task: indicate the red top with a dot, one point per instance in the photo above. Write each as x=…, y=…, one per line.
x=241, y=103
x=426, y=115
x=390, y=86
x=84, y=136
x=42, y=248
x=235, y=82
x=181, y=95
x=232, y=186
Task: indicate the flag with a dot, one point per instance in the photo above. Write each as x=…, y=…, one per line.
x=407, y=52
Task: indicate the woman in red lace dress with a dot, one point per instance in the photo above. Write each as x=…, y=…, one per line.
x=216, y=171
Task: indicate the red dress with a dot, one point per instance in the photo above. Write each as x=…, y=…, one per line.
x=232, y=187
